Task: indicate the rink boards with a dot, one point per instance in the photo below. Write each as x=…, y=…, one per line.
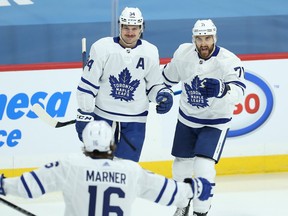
x=257, y=140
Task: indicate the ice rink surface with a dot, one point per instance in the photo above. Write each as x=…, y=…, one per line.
x=236, y=195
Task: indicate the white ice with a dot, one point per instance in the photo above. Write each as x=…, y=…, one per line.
x=236, y=195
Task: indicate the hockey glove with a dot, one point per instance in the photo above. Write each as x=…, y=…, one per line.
x=164, y=100
x=83, y=118
x=210, y=87
x=2, y=191
x=201, y=187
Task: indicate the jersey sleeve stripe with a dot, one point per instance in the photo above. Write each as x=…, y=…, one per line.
x=26, y=187
x=38, y=182
x=86, y=91
x=174, y=194
x=89, y=83
x=162, y=191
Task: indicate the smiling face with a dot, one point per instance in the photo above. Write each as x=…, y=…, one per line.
x=129, y=34
x=205, y=45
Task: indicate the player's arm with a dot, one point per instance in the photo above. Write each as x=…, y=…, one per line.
x=168, y=192
x=89, y=83
x=87, y=90
x=36, y=183
x=171, y=70
x=233, y=81
x=157, y=91
x=231, y=87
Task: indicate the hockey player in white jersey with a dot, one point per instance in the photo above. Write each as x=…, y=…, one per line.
x=212, y=82
x=96, y=185
x=121, y=77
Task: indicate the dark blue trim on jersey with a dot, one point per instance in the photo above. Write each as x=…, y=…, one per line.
x=86, y=91
x=89, y=83
x=204, y=121
x=174, y=82
x=38, y=182
x=174, y=194
x=145, y=113
x=148, y=91
x=162, y=191
x=216, y=51
x=26, y=186
x=240, y=84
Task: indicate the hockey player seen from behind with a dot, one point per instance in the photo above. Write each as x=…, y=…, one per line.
x=94, y=184
x=122, y=75
x=212, y=82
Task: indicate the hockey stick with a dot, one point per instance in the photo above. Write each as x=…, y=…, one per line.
x=18, y=208
x=45, y=117
x=118, y=134
x=187, y=208
x=84, y=58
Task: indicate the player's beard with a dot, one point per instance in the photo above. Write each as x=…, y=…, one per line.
x=205, y=51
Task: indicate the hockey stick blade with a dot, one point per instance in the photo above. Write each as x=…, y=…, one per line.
x=45, y=117
x=63, y=124
x=18, y=208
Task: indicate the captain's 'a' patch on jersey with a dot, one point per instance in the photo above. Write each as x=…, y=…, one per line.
x=123, y=88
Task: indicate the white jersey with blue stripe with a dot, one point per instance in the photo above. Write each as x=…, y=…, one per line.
x=99, y=186
x=120, y=81
x=188, y=68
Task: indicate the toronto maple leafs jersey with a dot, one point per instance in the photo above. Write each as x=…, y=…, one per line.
x=99, y=187
x=119, y=82
x=188, y=68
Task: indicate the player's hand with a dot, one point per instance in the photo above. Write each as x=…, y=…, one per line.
x=201, y=187
x=2, y=191
x=83, y=118
x=211, y=87
x=164, y=100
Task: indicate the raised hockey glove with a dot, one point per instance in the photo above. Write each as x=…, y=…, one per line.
x=201, y=187
x=164, y=100
x=83, y=118
x=211, y=87
x=2, y=191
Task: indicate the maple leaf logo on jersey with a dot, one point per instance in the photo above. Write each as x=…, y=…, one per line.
x=194, y=97
x=123, y=88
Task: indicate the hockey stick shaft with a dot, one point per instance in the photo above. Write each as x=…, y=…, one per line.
x=45, y=117
x=187, y=209
x=84, y=58
x=18, y=208
x=118, y=134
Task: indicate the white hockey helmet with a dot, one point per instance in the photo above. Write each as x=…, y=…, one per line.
x=131, y=16
x=204, y=27
x=97, y=135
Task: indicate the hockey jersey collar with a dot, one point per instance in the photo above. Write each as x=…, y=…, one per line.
x=215, y=53
x=117, y=39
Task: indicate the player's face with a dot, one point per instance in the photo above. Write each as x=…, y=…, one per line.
x=130, y=34
x=205, y=45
